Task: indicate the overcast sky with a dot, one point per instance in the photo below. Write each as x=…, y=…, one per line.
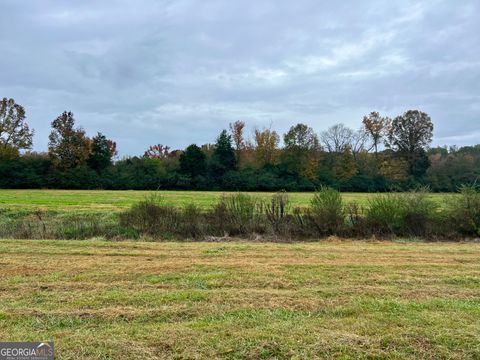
x=177, y=72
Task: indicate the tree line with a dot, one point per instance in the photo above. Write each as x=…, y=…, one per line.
x=383, y=154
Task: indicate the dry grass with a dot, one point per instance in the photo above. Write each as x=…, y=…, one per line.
x=334, y=299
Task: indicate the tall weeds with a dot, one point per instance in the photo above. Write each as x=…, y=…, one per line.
x=152, y=217
x=403, y=214
x=277, y=212
x=242, y=215
x=327, y=213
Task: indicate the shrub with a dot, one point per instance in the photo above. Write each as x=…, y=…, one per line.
x=355, y=219
x=237, y=214
x=151, y=217
x=277, y=213
x=218, y=219
x=192, y=221
x=384, y=214
x=354, y=214
x=326, y=212
x=419, y=213
x=240, y=215
x=464, y=211
x=407, y=214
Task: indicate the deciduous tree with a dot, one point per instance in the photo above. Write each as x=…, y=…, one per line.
x=68, y=146
x=376, y=127
x=345, y=167
x=14, y=130
x=266, y=147
x=302, y=151
x=409, y=135
x=237, y=130
x=337, y=138
x=393, y=168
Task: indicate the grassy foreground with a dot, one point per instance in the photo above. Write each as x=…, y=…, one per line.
x=139, y=300
x=107, y=200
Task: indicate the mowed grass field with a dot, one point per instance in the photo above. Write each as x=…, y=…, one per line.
x=333, y=299
x=105, y=201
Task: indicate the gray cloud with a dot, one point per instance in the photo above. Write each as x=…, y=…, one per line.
x=176, y=72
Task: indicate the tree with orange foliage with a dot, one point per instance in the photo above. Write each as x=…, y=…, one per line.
x=266, y=147
x=237, y=129
x=376, y=127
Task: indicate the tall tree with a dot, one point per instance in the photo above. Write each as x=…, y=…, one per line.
x=409, y=135
x=193, y=161
x=301, y=136
x=102, y=150
x=14, y=130
x=337, y=138
x=224, y=155
x=359, y=142
x=265, y=147
x=237, y=129
x=376, y=127
x=302, y=150
x=340, y=138
x=68, y=146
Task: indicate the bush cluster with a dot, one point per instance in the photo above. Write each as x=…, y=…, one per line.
x=411, y=214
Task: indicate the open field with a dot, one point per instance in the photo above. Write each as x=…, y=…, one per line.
x=105, y=201
x=138, y=300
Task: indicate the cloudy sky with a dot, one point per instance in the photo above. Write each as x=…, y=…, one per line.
x=176, y=72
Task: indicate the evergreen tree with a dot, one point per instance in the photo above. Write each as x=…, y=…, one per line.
x=224, y=155
x=193, y=161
